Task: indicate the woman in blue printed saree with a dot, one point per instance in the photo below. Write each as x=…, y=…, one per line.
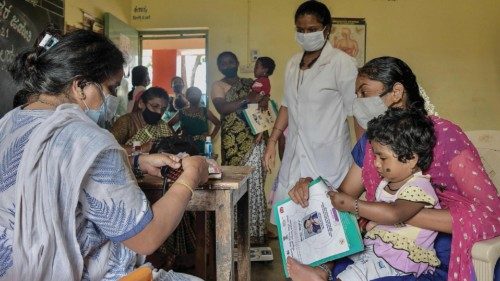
x=70, y=208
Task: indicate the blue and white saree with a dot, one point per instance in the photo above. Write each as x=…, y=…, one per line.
x=67, y=198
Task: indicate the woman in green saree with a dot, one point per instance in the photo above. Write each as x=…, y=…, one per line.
x=194, y=119
x=239, y=147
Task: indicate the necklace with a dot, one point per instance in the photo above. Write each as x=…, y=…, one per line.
x=303, y=64
x=389, y=187
x=48, y=103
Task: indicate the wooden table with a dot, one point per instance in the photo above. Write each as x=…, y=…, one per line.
x=222, y=196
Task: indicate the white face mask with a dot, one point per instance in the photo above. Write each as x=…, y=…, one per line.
x=365, y=109
x=312, y=41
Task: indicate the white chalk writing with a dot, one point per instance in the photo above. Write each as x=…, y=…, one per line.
x=6, y=57
x=4, y=31
x=21, y=28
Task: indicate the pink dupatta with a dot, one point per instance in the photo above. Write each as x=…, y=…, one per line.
x=464, y=188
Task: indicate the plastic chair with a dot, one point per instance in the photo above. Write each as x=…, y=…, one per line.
x=485, y=253
x=140, y=274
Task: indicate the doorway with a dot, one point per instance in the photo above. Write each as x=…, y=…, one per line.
x=170, y=53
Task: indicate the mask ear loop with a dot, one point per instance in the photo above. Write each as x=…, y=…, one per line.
x=82, y=84
x=103, y=98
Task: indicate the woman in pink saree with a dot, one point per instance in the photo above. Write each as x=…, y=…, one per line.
x=469, y=199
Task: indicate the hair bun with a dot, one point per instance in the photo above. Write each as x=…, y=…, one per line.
x=24, y=67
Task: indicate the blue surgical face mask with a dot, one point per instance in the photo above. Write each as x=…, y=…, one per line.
x=96, y=115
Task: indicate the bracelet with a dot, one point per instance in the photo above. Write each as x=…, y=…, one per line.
x=135, y=167
x=273, y=140
x=327, y=270
x=181, y=182
x=276, y=128
x=356, y=208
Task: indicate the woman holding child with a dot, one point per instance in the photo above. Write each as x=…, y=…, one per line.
x=239, y=147
x=469, y=201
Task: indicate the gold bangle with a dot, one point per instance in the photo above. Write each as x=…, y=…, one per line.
x=181, y=182
x=276, y=128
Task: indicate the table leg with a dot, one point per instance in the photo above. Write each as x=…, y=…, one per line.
x=224, y=235
x=201, y=249
x=243, y=239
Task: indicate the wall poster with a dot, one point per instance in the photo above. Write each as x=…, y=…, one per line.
x=349, y=35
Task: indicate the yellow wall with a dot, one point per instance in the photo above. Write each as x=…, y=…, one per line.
x=451, y=45
x=97, y=8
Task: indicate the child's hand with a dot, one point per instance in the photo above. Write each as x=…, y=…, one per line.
x=370, y=225
x=342, y=201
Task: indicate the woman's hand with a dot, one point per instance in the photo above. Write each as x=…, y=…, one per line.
x=342, y=201
x=152, y=163
x=195, y=170
x=300, y=192
x=270, y=155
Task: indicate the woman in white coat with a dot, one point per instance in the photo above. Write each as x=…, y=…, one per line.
x=319, y=91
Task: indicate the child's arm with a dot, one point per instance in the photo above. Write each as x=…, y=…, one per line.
x=379, y=212
x=216, y=123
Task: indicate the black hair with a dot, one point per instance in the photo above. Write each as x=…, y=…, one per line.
x=179, y=102
x=21, y=97
x=80, y=55
x=267, y=63
x=226, y=54
x=193, y=90
x=155, y=92
x=176, y=78
x=139, y=75
x=317, y=9
x=389, y=71
x=406, y=132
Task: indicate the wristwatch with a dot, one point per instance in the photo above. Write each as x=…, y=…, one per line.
x=135, y=167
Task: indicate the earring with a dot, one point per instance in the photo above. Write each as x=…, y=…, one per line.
x=82, y=94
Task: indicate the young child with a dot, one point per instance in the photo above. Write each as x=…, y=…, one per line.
x=264, y=67
x=402, y=142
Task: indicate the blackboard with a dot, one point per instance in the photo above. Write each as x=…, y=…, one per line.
x=20, y=23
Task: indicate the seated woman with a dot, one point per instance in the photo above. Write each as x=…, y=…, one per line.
x=194, y=119
x=468, y=197
x=144, y=125
x=70, y=208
